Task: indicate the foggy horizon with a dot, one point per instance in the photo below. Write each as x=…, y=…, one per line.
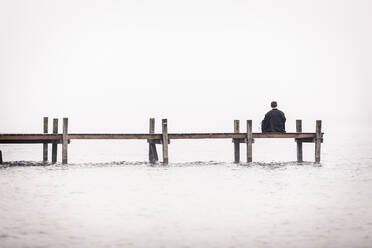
x=109, y=66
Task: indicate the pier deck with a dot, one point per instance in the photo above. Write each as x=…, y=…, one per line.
x=161, y=138
x=50, y=138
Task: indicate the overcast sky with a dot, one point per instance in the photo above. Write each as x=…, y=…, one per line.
x=110, y=65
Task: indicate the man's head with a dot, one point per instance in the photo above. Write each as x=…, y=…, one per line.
x=274, y=104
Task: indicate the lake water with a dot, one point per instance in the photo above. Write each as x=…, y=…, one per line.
x=199, y=200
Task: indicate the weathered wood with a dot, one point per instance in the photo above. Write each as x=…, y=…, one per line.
x=318, y=140
x=115, y=136
x=1, y=157
x=153, y=154
x=57, y=137
x=238, y=136
x=155, y=141
x=165, y=139
x=309, y=140
x=249, y=141
x=45, y=145
x=32, y=136
x=244, y=141
x=64, y=140
x=54, y=145
x=299, y=143
x=151, y=130
x=236, y=143
x=12, y=141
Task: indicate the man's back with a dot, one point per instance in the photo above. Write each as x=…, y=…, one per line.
x=274, y=121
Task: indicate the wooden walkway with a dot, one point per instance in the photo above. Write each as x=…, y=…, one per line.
x=164, y=138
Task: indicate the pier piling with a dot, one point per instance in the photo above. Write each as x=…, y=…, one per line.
x=165, y=140
x=299, y=143
x=249, y=141
x=45, y=144
x=318, y=140
x=54, y=144
x=64, y=141
x=236, y=143
x=1, y=157
x=153, y=154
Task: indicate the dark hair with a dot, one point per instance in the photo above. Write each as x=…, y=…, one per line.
x=274, y=104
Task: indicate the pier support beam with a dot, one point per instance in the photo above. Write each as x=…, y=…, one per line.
x=249, y=141
x=165, y=140
x=1, y=157
x=54, y=145
x=153, y=154
x=318, y=140
x=64, y=141
x=299, y=143
x=45, y=145
x=236, y=143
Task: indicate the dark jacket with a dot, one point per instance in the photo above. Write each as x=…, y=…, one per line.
x=274, y=122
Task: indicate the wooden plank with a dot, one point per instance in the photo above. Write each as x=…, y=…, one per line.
x=154, y=136
x=64, y=141
x=51, y=137
x=30, y=141
x=20, y=137
x=165, y=139
x=299, y=143
x=249, y=141
x=238, y=136
x=283, y=135
x=309, y=140
x=54, y=145
x=318, y=140
x=115, y=136
x=236, y=143
x=45, y=145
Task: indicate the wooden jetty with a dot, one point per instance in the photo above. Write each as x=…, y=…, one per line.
x=163, y=138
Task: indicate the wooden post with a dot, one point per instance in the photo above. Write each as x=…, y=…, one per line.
x=236, y=143
x=152, y=130
x=1, y=157
x=165, y=140
x=318, y=140
x=64, y=141
x=249, y=141
x=153, y=154
x=299, y=143
x=45, y=145
x=54, y=145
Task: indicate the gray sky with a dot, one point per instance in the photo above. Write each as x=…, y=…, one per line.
x=110, y=65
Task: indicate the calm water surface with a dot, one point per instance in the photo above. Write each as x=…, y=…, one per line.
x=188, y=204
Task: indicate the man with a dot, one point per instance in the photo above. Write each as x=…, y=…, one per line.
x=274, y=120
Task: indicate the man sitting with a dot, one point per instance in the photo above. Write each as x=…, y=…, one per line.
x=274, y=120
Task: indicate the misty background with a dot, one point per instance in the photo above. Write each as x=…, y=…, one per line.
x=111, y=65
